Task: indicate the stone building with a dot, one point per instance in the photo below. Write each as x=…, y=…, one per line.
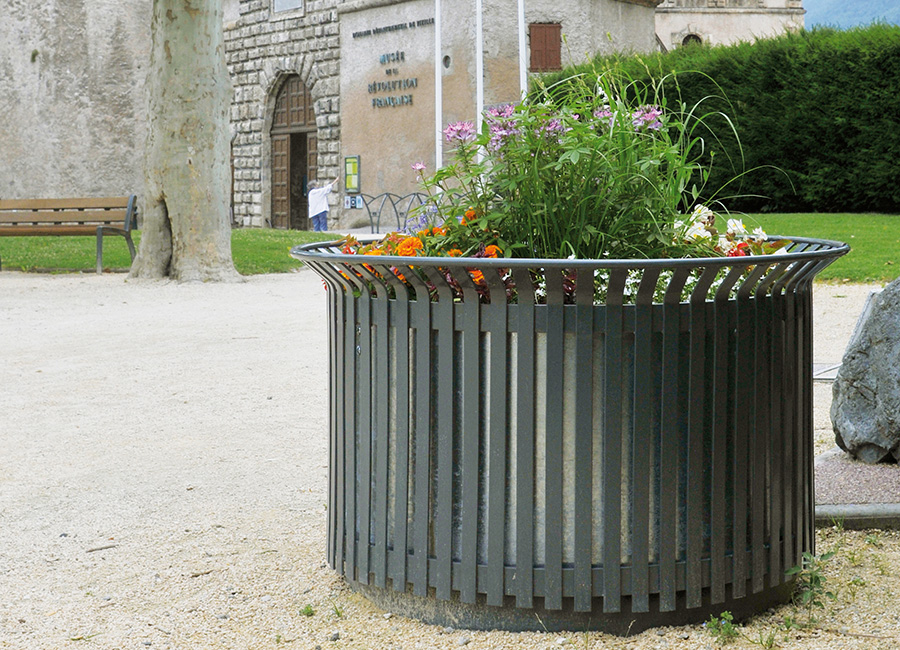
x=720, y=22
x=320, y=87
x=72, y=109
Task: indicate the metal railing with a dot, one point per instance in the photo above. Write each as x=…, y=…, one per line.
x=392, y=208
x=533, y=462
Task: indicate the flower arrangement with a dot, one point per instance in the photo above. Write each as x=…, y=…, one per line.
x=610, y=171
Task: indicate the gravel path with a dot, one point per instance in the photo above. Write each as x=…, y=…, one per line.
x=163, y=479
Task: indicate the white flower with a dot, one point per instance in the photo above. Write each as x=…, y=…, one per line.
x=704, y=214
x=697, y=231
x=725, y=245
x=759, y=235
x=736, y=227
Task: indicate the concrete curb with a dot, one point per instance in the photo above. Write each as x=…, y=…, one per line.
x=869, y=515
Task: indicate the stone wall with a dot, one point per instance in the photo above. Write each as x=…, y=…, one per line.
x=71, y=96
x=72, y=80
x=720, y=22
x=263, y=47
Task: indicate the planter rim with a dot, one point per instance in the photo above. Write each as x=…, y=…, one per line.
x=800, y=249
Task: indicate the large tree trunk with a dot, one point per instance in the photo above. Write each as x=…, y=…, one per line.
x=186, y=229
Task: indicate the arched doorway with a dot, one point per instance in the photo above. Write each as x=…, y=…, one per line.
x=691, y=39
x=294, y=154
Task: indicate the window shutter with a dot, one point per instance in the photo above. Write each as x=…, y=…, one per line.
x=546, y=46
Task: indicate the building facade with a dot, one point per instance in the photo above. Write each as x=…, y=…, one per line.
x=327, y=89
x=321, y=88
x=721, y=22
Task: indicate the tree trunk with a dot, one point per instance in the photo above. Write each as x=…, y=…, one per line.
x=186, y=226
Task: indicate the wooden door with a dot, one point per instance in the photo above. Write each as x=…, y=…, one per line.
x=281, y=175
x=294, y=154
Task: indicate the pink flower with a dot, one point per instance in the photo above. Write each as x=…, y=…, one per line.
x=419, y=167
x=461, y=131
x=647, y=116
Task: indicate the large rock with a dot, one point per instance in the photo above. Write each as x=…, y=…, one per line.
x=865, y=411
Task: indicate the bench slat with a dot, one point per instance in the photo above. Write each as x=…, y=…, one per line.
x=65, y=216
x=41, y=231
x=66, y=204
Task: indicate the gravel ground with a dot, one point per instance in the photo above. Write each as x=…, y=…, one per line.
x=163, y=480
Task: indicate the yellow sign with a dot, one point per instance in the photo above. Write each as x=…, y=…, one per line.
x=351, y=174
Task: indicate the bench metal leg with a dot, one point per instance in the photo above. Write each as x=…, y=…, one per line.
x=99, y=251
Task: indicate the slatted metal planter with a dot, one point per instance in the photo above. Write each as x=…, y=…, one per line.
x=578, y=445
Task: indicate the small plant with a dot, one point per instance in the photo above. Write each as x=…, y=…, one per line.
x=854, y=585
x=336, y=610
x=722, y=628
x=873, y=540
x=307, y=611
x=790, y=623
x=810, y=592
x=766, y=639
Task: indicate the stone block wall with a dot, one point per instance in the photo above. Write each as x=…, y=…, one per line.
x=262, y=48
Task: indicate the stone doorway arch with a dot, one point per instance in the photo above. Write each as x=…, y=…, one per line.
x=294, y=154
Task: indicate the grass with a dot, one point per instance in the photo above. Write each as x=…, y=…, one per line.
x=874, y=238
x=874, y=241
x=254, y=251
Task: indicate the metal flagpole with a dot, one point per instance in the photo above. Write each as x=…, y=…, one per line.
x=438, y=89
x=523, y=64
x=479, y=69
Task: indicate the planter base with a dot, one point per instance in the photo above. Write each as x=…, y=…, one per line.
x=529, y=461
x=480, y=616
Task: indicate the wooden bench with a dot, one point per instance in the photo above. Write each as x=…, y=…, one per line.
x=37, y=217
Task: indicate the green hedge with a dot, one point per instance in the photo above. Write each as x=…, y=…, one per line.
x=822, y=106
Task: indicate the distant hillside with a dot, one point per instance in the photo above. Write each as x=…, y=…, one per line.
x=844, y=13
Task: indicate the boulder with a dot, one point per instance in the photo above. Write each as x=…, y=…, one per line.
x=865, y=410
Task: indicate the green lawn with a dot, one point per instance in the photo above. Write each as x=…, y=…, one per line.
x=254, y=250
x=875, y=240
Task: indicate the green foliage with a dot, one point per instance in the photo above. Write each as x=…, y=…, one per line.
x=255, y=250
x=605, y=167
x=722, y=628
x=810, y=592
x=307, y=611
x=816, y=113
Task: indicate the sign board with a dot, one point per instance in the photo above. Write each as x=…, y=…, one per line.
x=351, y=174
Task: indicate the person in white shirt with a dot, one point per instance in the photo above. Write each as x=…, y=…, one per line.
x=318, y=205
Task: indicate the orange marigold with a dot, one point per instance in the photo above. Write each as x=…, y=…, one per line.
x=477, y=276
x=437, y=231
x=373, y=251
x=492, y=251
x=409, y=246
x=454, y=252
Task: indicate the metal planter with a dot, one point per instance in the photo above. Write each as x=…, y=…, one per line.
x=525, y=458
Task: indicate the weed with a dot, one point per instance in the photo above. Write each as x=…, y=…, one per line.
x=810, y=592
x=838, y=523
x=873, y=540
x=307, y=611
x=854, y=557
x=336, y=610
x=882, y=565
x=766, y=639
x=853, y=586
x=790, y=623
x=722, y=628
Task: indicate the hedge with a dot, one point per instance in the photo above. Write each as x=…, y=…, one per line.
x=817, y=114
